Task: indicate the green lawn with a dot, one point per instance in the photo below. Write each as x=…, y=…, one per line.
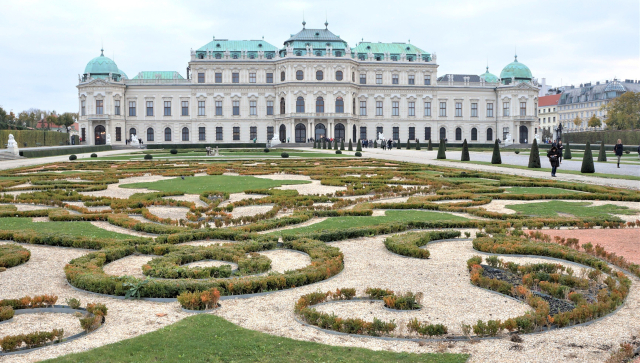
x=538, y=190
x=391, y=216
x=220, y=183
x=208, y=338
x=578, y=209
x=79, y=229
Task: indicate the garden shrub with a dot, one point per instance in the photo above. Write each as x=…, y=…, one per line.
x=173, y=151
x=465, y=151
x=378, y=293
x=73, y=303
x=350, y=145
x=148, y=156
x=567, y=152
x=409, y=244
x=406, y=301
x=94, y=155
x=266, y=150
x=284, y=155
x=441, y=148
x=429, y=145
x=424, y=328
x=200, y=300
x=517, y=152
x=72, y=157
x=6, y=313
x=587, y=161
x=358, y=154
x=36, y=339
x=12, y=254
x=359, y=146
x=602, y=154
x=338, y=152
x=495, y=158
x=534, y=156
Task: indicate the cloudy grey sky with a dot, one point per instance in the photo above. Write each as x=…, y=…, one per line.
x=44, y=45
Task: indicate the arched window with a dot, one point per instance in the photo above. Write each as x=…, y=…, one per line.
x=149, y=134
x=458, y=133
x=100, y=135
x=167, y=134
x=339, y=131
x=301, y=133
x=282, y=104
x=318, y=54
x=283, y=133
x=200, y=56
x=443, y=133
x=298, y=54
x=319, y=75
x=338, y=53
x=185, y=134
x=338, y=75
x=235, y=56
x=300, y=105
x=218, y=56
x=132, y=131
x=299, y=75
x=319, y=105
x=353, y=76
x=474, y=134
x=339, y=105
x=321, y=131
x=282, y=76
x=489, y=134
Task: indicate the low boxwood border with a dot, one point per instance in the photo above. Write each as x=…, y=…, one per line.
x=409, y=244
x=12, y=255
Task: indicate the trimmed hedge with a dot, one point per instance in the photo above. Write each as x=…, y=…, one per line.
x=63, y=151
x=13, y=255
x=409, y=244
x=247, y=145
x=610, y=137
x=34, y=138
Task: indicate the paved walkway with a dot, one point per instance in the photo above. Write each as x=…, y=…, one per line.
x=18, y=163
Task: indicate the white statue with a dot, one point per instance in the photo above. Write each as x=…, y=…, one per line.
x=274, y=141
x=216, y=152
x=108, y=139
x=508, y=141
x=380, y=136
x=12, y=146
x=134, y=140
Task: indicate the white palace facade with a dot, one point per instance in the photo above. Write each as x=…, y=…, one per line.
x=315, y=86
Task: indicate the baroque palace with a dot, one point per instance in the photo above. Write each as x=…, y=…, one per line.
x=315, y=86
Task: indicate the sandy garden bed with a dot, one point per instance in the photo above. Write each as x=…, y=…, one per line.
x=169, y=212
x=28, y=323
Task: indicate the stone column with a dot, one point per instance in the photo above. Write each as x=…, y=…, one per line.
x=311, y=132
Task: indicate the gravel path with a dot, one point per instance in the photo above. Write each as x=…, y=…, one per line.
x=251, y=210
x=169, y=212
x=286, y=260
x=130, y=265
x=235, y=197
x=195, y=198
x=29, y=323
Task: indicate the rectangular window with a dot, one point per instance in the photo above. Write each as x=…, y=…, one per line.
x=395, y=108
x=202, y=135
x=396, y=133
x=474, y=110
x=253, y=109
x=363, y=78
x=83, y=107
x=219, y=133
x=99, y=110
x=132, y=108
x=200, y=77
x=253, y=132
x=458, y=109
x=412, y=108
x=252, y=78
x=236, y=133
x=269, y=132
x=269, y=107
x=185, y=108
x=412, y=79
x=443, y=109
x=116, y=111
x=363, y=132
x=427, y=80
x=218, y=108
x=412, y=133
x=149, y=108
x=201, y=108
x=378, y=78
x=427, y=109
x=269, y=77
x=505, y=132
x=363, y=108
x=118, y=133
x=523, y=108
x=394, y=79
x=427, y=133
x=84, y=134
x=378, y=108
x=236, y=108
x=505, y=108
x=167, y=108
x=218, y=77
x=489, y=109
x=378, y=132
x=235, y=77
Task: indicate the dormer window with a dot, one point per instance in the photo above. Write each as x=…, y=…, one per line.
x=318, y=54
x=328, y=44
x=338, y=53
x=361, y=56
x=394, y=57
x=368, y=47
x=378, y=58
x=251, y=56
x=269, y=55
x=259, y=45
x=200, y=56
x=298, y=54
x=218, y=56
x=408, y=48
x=317, y=34
x=235, y=56
x=218, y=45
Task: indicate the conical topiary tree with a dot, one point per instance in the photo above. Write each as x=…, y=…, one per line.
x=359, y=146
x=375, y=144
x=587, y=160
x=350, y=145
x=335, y=144
x=408, y=144
x=342, y=144
x=602, y=155
x=567, y=152
x=418, y=145
x=324, y=143
x=465, y=151
x=534, y=156
x=429, y=146
x=496, y=159
x=441, y=153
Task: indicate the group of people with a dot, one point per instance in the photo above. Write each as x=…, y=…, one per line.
x=555, y=154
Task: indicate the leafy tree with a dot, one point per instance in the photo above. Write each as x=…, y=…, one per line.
x=577, y=121
x=587, y=160
x=495, y=158
x=623, y=113
x=441, y=153
x=429, y=146
x=567, y=152
x=66, y=120
x=51, y=120
x=594, y=121
x=534, y=156
x=546, y=134
x=350, y=145
x=602, y=155
x=465, y=151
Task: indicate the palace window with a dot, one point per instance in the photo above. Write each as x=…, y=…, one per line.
x=489, y=109
x=118, y=133
x=412, y=133
x=523, y=108
x=412, y=108
x=427, y=80
x=236, y=133
x=339, y=105
x=378, y=132
x=167, y=134
x=282, y=78
x=269, y=107
x=363, y=78
x=505, y=108
x=299, y=75
x=353, y=76
x=427, y=133
x=99, y=109
x=363, y=132
x=300, y=105
x=319, y=75
x=236, y=108
x=201, y=108
x=427, y=108
x=396, y=133
x=185, y=134
x=269, y=77
x=149, y=108
x=218, y=108
x=363, y=108
x=505, y=133
x=443, y=109
x=458, y=109
x=252, y=78
x=202, y=134
x=167, y=108
x=458, y=134
x=378, y=108
x=338, y=75
x=474, y=134
x=489, y=134
x=235, y=77
x=218, y=77
x=83, y=133
x=83, y=108
x=253, y=108
x=474, y=110
x=395, y=79
x=269, y=132
x=185, y=108
x=443, y=133
x=319, y=105
x=378, y=78
x=149, y=134
x=412, y=79
x=132, y=108
x=395, y=108
x=200, y=77
x=282, y=106
x=116, y=110
x=219, y=133
x=253, y=132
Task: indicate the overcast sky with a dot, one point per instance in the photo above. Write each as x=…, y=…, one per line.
x=44, y=45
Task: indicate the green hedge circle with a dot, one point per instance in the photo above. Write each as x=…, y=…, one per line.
x=12, y=255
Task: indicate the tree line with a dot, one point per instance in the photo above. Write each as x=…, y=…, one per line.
x=29, y=119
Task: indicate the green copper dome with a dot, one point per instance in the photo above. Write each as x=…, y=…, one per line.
x=489, y=77
x=101, y=66
x=517, y=70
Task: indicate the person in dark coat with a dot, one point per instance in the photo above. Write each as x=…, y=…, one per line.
x=618, y=150
x=389, y=144
x=552, y=154
x=560, y=151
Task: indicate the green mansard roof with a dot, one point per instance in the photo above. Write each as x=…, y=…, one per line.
x=392, y=48
x=314, y=35
x=158, y=75
x=222, y=45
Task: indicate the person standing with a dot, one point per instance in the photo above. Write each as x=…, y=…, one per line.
x=560, y=151
x=552, y=154
x=618, y=150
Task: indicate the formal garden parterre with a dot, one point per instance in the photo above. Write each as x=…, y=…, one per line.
x=388, y=254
